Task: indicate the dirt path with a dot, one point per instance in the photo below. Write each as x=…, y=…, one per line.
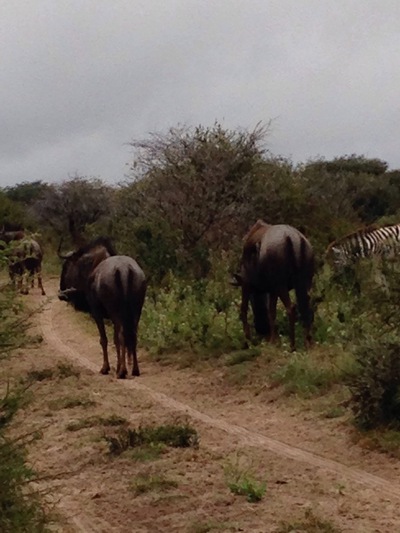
x=312, y=467
x=249, y=437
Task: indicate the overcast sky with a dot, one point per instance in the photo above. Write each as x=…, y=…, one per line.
x=81, y=78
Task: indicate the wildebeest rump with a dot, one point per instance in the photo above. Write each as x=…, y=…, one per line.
x=275, y=260
x=107, y=285
x=25, y=257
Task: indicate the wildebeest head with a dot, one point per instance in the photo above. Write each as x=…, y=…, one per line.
x=77, y=269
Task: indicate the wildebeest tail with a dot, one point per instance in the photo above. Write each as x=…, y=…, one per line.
x=130, y=307
x=303, y=277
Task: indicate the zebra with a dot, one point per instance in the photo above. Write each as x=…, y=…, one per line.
x=367, y=242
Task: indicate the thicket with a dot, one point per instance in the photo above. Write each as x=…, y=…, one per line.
x=20, y=505
x=191, y=195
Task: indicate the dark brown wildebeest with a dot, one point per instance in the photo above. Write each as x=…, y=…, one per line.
x=275, y=260
x=25, y=257
x=96, y=280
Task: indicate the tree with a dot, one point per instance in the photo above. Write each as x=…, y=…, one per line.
x=74, y=204
x=194, y=187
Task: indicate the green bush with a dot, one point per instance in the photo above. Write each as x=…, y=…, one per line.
x=20, y=506
x=375, y=387
x=200, y=317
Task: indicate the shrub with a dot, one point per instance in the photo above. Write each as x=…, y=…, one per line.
x=20, y=505
x=195, y=316
x=241, y=480
x=174, y=435
x=375, y=386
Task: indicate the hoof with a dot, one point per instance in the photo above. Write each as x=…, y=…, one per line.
x=122, y=375
x=135, y=372
x=104, y=371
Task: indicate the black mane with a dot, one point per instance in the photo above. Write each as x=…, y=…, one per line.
x=98, y=241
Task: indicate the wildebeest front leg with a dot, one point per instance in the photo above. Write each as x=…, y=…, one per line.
x=105, y=369
x=40, y=283
x=291, y=314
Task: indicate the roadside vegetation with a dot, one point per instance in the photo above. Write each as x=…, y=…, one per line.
x=21, y=507
x=191, y=195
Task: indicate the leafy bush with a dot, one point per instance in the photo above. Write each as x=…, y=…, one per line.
x=174, y=435
x=242, y=481
x=196, y=316
x=375, y=387
x=20, y=506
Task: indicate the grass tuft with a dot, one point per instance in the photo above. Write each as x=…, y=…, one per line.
x=173, y=435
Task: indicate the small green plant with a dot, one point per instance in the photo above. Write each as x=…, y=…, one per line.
x=21, y=509
x=194, y=316
x=173, y=435
x=39, y=374
x=309, y=524
x=375, y=387
x=149, y=452
x=92, y=421
x=242, y=481
x=304, y=376
x=151, y=482
x=241, y=356
x=66, y=370
x=69, y=402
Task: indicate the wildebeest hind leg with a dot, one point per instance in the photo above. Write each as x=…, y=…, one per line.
x=272, y=301
x=122, y=371
x=105, y=369
x=291, y=314
x=117, y=346
x=135, y=366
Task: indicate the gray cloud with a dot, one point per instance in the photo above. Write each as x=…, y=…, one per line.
x=81, y=78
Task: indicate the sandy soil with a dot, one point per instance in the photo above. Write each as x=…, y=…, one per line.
x=308, y=463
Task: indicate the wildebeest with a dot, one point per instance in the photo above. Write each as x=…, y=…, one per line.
x=25, y=257
x=96, y=280
x=276, y=259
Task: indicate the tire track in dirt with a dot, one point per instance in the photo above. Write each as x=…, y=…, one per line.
x=247, y=436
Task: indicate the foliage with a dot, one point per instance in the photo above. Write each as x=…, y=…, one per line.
x=200, y=316
x=21, y=509
x=12, y=214
x=148, y=482
x=303, y=375
x=375, y=382
x=311, y=523
x=70, y=207
x=174, y=435
x=375, y=388
x=27, y=192
x=242, y=481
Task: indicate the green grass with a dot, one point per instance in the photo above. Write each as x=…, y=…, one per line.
x=242, y=481
x=21, y=509
x=151, y=482
x=70, y=402
x=309, y=524
x=241, y=356
x=309, y=374
x=93, y=421
x=61, y=371
x=149, y=452
x=173, y=435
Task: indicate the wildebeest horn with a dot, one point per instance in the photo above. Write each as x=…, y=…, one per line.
x=63, y=295
x=237, y=280
x=60, y=255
